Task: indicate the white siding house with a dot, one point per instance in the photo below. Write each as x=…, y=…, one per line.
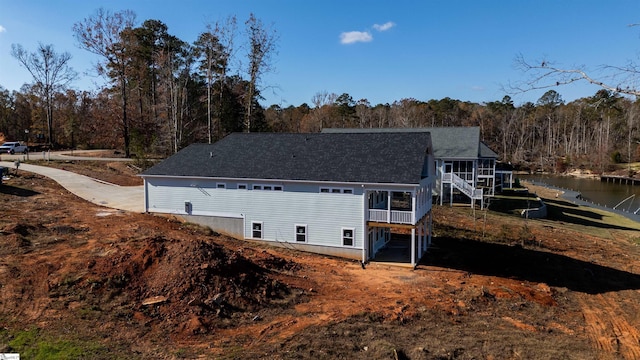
x=335, y=194
x=465, y=166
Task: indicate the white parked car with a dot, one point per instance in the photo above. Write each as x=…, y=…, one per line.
x=13, y=147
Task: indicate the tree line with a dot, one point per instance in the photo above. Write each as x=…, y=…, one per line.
x=163, y=93
x=593, y=132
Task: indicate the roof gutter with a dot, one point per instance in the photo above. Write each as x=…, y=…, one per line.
x=277, y=180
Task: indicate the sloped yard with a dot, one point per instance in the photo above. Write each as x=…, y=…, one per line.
x=82, y=281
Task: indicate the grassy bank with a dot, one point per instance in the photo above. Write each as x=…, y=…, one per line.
x=561, y=212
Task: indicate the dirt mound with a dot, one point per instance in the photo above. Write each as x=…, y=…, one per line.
x=191, y=286
x=13, y=243
x=14, y=238
x=18, y=228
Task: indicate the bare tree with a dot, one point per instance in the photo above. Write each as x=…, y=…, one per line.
x=544, y=74
x=50, y=71
x=632, y=115
x=363, y=113
x=322, y=102
x=101, y=34
x=216, y=47
x=262, y=45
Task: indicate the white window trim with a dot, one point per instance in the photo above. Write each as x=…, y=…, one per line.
x=245, y=187
x=335, y=190
x=261, y=230
x=306, y=233
x=221, y=185
x=353, y=236
x=272, y=187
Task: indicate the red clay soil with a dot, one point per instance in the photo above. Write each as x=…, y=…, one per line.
x=145, y=286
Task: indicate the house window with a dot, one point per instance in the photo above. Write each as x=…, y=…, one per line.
x=336, y=190
x=221, y=185
x=256, y=230
x=301, y=233
x=347, y=237
x=267, y=187
x=242, y=186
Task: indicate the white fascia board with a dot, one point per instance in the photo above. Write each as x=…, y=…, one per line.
x=342, y=183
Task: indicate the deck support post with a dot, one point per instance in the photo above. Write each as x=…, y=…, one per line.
x=430, y=228
x=413, y=247
x=419, y=240
x=388, y=206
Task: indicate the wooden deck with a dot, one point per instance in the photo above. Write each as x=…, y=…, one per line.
x=620, y=179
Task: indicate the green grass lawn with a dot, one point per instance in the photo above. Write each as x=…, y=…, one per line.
x=514, y=201
x=560, y=212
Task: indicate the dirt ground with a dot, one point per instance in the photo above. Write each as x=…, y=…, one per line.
x=120, y=285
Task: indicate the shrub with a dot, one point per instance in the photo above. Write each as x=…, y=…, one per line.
x=616, y=157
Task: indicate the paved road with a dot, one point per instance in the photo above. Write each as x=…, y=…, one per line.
x=129, y=198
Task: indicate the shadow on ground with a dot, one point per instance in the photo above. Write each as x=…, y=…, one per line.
x=569, y=213
x=520, y=263
x=16, y=191
x=557, y=209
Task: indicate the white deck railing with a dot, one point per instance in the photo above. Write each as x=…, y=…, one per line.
x=462, y=185
x=401, y=217
x=397, y=217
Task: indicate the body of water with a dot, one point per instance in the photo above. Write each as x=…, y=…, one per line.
x=594, y=191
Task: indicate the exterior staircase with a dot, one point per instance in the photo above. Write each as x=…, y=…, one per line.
x=463, y=186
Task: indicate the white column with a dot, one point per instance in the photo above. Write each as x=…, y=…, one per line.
x=417, y=226
x=365, y=228
x=413, y=246
x=388, y=206
x=426, y=231
x=451, y=194
x=423, y=236
x=413, y=207
x=430, y=228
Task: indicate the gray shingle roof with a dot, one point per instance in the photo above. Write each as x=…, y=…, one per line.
x=486, y=152
x=448, y=142
x=361, y=158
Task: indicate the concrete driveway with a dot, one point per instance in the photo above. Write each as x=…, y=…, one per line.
x=60, y=155
x=129, y=198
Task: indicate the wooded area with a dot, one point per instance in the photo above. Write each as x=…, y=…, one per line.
x=164, y=93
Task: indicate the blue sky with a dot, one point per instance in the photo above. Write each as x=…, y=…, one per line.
x=407, y=49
